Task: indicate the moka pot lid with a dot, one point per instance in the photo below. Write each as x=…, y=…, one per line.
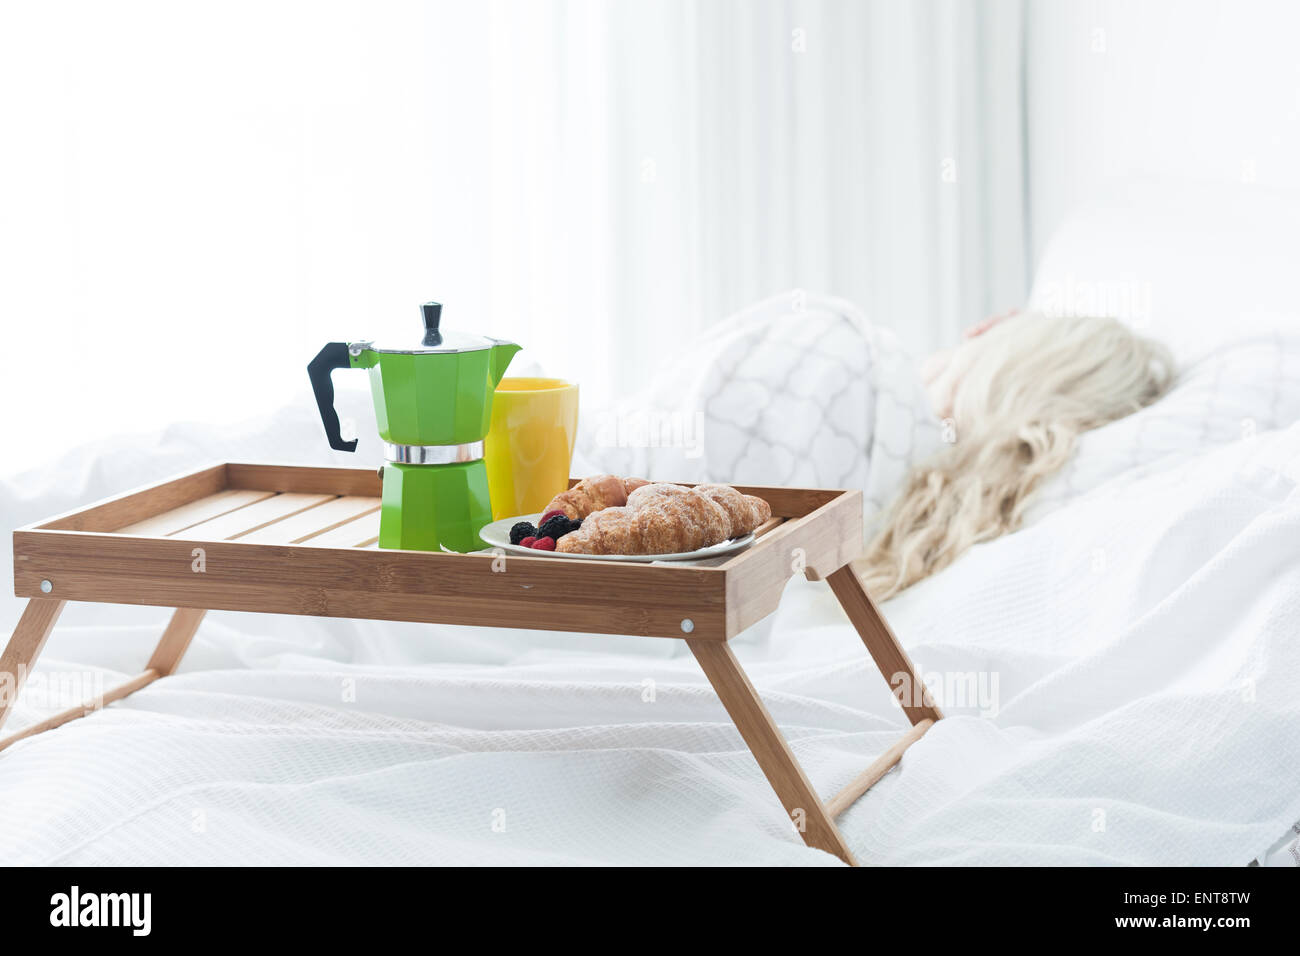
x=435, y=340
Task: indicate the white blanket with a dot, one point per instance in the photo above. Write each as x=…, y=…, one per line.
x=1129, y=663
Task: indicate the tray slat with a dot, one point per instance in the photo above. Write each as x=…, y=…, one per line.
x=196, y=512
x=309, y=524
x=357, y=533
x=232, y=525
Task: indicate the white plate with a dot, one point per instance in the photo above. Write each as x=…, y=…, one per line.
x=497, y=534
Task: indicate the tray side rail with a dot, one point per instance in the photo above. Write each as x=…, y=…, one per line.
x=814, y=544
x=139, y=503
x=495, y=590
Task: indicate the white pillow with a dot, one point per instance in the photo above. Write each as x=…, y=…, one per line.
x=1206, y=269
x=1196, y=266
x=1240, y=391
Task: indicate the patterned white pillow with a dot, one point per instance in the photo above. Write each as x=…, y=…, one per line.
x=1241, y=390
x=796, y=390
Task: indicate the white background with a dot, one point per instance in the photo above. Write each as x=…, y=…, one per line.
x=194, y=198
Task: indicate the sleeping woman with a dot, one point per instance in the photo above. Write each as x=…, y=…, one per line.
x=807, y=392
x=1016, y=395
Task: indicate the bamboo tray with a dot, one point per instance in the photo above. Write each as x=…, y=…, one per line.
x=302, y=540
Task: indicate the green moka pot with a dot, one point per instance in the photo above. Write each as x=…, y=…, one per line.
x=433, y=406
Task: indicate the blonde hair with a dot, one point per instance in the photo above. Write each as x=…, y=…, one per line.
x=1026, y=389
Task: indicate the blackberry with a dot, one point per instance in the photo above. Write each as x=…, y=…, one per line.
x=522, y=530
x=557, y=527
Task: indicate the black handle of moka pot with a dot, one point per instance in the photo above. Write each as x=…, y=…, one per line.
x=332, y=356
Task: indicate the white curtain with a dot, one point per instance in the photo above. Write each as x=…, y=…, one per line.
x=194, y=200
x=657, y=165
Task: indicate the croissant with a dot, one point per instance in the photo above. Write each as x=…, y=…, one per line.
x=594, y=494
x=746, y=512
x=667, y=519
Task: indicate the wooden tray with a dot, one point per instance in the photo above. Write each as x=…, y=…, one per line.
x=302, y=540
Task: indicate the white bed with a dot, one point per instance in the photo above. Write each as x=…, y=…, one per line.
x=1134, y=652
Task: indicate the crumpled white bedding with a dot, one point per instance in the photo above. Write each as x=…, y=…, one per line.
x=1132, y=661
x=1155, y=699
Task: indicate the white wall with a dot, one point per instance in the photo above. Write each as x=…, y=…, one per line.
x=1192, y=90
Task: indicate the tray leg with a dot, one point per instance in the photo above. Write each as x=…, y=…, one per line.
x=769, y=748
x=175, y=640
x=24, y=647
x=30, y=636
x=895, y=665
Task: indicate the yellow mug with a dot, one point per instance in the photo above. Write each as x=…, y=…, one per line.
x=529, y=448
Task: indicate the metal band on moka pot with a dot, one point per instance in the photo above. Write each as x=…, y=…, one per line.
x=432, y=454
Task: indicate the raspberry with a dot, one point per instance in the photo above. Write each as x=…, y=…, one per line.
x=527, y=542
x=550, y=514
x=544, y=544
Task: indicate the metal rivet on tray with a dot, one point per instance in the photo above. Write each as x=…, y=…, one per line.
x=687, y=625
x=47, y=586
